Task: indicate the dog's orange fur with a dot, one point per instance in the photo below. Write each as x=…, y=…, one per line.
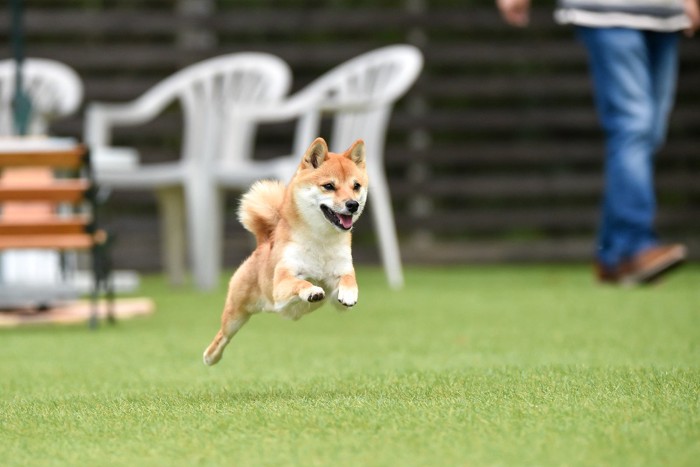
x=302, y=257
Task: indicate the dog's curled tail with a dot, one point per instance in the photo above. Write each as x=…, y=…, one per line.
x=259, y=211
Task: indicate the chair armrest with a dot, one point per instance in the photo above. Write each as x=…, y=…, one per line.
x=114, y=159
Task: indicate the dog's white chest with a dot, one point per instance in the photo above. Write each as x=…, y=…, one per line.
x=322, y=265
x=324, y=262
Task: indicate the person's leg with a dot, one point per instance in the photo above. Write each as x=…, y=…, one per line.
x=663, y=55
x=623, y=81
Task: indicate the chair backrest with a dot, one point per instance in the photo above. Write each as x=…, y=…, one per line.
x=210, y=90
x=374, y=81
x=55, y=91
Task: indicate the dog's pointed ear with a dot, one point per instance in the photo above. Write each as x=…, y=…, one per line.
x=316, y=154
x=356, y=153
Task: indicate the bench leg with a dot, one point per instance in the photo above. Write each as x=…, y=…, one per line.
x=94, y=295
x=172, y=233
x=108, y=282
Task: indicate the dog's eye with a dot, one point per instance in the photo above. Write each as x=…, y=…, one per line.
x=328, y=187
x=356, y=186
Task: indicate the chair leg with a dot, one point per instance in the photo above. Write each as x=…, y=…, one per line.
x=386, y=229
x=94, y=296
x=172, y=227
x=204, y=228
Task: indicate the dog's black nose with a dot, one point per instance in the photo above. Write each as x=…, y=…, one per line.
x=352, y=205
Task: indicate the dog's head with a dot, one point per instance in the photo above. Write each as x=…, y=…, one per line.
x=330, y=189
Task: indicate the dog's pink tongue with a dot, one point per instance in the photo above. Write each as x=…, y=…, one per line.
x=345, y=220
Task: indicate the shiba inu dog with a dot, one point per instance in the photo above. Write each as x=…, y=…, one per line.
x=303, y=234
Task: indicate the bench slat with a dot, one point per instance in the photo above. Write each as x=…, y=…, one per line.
x=49, y=226
x=53, y=242
x=67, y=159
x=71, y=191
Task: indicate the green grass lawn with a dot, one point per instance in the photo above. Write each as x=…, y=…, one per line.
x=466, y=366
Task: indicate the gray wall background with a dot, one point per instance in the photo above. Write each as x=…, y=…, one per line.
x=494, y=155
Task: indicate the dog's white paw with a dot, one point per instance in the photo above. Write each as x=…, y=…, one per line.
x=210, y=360
x=312, y=294
x=347, y=296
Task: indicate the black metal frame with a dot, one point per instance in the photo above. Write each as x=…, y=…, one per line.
x=100, y=251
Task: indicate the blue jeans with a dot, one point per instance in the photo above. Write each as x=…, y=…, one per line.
x=634, y=78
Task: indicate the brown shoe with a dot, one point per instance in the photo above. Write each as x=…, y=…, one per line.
x=606, y=275
x=652, y=263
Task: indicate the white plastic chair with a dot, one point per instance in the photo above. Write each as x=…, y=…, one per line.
x=358, y=95
x=55, y=91
x=208, y=93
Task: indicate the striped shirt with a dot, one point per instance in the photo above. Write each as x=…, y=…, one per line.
x=654, y=15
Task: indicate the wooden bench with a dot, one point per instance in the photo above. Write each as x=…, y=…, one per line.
x=39, y=210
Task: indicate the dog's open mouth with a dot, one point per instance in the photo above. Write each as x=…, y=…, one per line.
x=342, y=221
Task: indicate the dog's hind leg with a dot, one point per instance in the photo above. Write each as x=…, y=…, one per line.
x=233, y=317
x=229, y=328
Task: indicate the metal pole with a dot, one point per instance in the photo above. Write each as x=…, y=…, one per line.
x=21, y=103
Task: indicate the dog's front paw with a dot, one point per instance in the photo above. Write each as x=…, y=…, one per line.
x=347, y=296
x=312, y=294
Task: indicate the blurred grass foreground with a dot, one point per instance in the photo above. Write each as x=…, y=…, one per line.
x=506, y=365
